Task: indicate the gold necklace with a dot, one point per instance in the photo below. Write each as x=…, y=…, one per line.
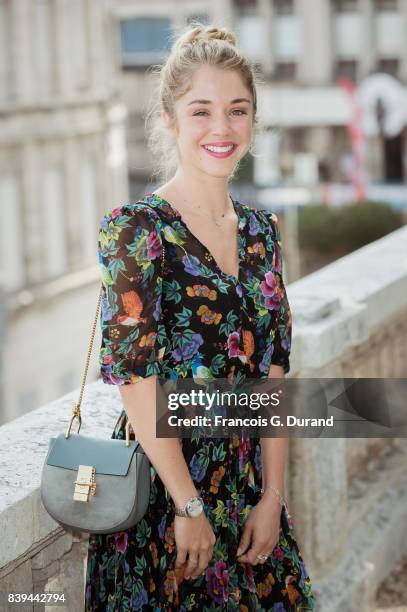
x=208, y=217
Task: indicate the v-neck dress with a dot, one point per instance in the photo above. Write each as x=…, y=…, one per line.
x=188, y=318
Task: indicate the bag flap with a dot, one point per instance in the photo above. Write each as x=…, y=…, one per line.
x=108, y=456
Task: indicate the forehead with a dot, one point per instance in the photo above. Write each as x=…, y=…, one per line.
x=216, y=84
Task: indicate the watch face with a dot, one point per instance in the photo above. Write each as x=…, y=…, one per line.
x=194, y=507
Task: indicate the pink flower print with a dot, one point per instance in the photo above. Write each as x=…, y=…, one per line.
x=277, y=258
x=278, y=553
x=272, y=291
x=154, y=248
x=116, y=212
x=121, y=541
x=233, y=345
x=251, y=585
x=217, y=582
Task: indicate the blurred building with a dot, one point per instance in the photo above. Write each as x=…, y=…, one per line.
x=303, y=48
x=62, y=165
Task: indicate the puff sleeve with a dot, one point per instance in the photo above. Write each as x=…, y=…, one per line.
x=279, y=341
x=130, y=258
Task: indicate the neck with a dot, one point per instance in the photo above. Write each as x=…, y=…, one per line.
x=211, y=196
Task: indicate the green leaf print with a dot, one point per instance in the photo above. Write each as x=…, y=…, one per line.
x=264, y=320
x=126, y=343
x=139, y=251
x=140, y=565
x=183, y=318
x=221, y=514
x=217, y=363
x=153, y=367
x=222, y=286
x=182, y=338
x=172, y=291
x=229, y=325
x=143, y=533
x=110, y=567
x=161, y=334
x=115, y=266
x=218, y=453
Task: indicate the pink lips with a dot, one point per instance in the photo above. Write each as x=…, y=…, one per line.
x=221, y=144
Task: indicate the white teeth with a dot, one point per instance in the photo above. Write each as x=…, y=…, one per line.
x=219, y=149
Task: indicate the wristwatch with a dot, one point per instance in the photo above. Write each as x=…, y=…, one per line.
x=192, y=509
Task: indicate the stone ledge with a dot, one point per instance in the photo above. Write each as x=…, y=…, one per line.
x=378, y=538
x=344, y=303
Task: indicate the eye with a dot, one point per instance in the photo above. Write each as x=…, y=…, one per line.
x=236, y=110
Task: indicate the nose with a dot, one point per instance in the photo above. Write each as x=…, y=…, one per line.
x=221, y=125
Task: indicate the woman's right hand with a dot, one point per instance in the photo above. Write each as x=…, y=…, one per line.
x=194, y=539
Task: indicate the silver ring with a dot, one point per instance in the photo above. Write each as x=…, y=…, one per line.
x=263, y=557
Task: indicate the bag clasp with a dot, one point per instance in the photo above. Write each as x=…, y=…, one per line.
x=85, y=483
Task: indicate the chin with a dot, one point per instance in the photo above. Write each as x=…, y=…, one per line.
x=220, y=173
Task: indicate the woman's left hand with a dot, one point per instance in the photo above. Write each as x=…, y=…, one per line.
x=261, y=530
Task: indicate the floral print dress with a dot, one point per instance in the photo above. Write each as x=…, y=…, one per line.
x=182, y=319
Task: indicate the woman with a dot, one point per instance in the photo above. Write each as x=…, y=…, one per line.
x=214, y=307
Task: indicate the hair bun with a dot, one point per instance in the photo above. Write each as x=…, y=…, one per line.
x=201, y=32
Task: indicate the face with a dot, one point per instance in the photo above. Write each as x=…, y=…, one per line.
x=216, y=111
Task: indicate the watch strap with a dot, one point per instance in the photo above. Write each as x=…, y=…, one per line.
x=182, y=511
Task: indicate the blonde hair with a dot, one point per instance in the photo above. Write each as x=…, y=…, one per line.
x=197, y=46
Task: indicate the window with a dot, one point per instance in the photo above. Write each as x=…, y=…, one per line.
x=252, y=34
x=346, y=69
x=347, y=34
x=386, y=5
x=389, y=65
x=44, y=48
x=245, y=7
x=144, y=40
x=80, y=58
x=298, y=137
x=54, y=226
x=345, y=6
x=389, y=34
x=285, y=71
x=287, y=42
x=283, y=7
x=12, y=264
x=89, y=221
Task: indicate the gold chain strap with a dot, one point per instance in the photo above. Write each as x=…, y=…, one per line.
x=76, y=411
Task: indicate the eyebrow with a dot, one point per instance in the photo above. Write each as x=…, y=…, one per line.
x=235, y=101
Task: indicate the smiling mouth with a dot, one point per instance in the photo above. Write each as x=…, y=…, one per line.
x=220, y=151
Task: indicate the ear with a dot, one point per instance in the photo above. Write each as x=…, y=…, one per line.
x=165, y=118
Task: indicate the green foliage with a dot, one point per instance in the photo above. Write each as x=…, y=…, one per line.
x=245, y=170
x=325, y=229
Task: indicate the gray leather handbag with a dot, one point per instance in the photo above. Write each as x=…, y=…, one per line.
x=91, y=484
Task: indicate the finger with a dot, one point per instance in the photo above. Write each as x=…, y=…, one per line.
x=256, y=546
x=263, y=561
x=257, y=549
x=191, y=564
x=244, y=542
x=181, y=557
x=204, y=559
